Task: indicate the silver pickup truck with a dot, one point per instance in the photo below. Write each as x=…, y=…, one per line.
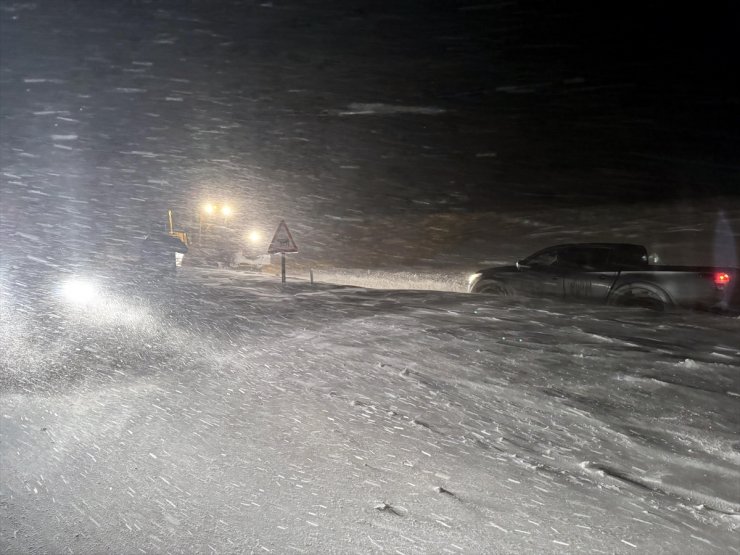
x=611, y=273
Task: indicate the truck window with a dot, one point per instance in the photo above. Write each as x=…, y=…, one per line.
x=630, y=256
x=584, y=258
x=544, y=258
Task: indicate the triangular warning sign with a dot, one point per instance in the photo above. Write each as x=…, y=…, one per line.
x=282, y=241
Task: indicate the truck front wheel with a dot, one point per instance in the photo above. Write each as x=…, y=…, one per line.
x=491, y=288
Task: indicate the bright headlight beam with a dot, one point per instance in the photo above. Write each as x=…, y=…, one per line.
x=79, y=291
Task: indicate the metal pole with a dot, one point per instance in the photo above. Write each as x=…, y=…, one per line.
x=282, y=263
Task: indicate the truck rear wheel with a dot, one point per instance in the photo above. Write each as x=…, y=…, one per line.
x=639, y=297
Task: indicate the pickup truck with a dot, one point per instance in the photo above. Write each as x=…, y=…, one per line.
x=610, y=273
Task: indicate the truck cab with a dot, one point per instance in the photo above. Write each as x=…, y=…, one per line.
x=582, y=271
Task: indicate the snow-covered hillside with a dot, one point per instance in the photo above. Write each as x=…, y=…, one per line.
x=225, y=413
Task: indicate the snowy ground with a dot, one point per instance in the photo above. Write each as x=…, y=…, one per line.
x=230, y=414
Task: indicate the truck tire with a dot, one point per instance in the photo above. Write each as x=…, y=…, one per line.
x=641, y=297
x=490, y=287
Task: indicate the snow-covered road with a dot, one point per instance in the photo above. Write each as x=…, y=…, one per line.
x=228, y=414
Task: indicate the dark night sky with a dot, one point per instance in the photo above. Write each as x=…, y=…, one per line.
x=567, y=102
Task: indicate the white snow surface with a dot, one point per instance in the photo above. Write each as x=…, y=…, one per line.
x=378, y=108
x=222, y=412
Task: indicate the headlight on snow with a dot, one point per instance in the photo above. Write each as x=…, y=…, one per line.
x=79, y=291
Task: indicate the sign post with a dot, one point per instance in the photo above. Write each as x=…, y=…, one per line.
x=282, y=242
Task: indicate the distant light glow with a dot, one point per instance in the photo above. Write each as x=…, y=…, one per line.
x=254, y=236
x=208, y=208
x=79, y=291
x=226, y=210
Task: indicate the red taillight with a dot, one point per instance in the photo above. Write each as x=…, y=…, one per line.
x=721, y=278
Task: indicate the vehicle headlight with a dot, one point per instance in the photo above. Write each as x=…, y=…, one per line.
x=79, y=291
x=473, y=277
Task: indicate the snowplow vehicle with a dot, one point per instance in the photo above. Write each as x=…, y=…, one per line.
x=609, y=273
